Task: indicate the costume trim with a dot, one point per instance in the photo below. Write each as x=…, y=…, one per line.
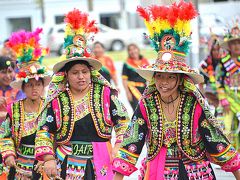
x=185, y=140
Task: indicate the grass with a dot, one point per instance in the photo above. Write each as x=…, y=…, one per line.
x=115, y=55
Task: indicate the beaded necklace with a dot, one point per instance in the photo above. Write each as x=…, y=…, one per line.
x=29, y=122
x=169, y=127
x=82, y=107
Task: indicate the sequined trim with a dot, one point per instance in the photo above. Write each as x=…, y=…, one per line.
x=81, y=107
x=123, y=167
x=30, y=124
x=103, y=128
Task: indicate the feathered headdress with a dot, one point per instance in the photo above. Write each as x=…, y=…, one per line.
x=27, y=47
x=169, y=26
x=29, y=55
x=232, y=33
x=170, y=33
x=78, y=32
x=213, y=40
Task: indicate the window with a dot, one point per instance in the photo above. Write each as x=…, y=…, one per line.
x=59, y=19
x=16, y=24
x=110, y=20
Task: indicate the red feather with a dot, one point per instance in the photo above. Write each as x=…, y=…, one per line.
x=74, y=18
x=77, y=20
x=91, y=27
x=156, y=11
x=187, y=11
x=143, y=12
x=163, y=12
x=173, y=14
x=84, y=19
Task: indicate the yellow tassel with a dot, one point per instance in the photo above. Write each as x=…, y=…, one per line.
x=80, y=31
x=187, y=28
x=149, y=27
x=68, y=31
x=164, y=25
x=183, y=28
x=157, y=26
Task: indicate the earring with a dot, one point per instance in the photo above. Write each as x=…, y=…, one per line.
x=67, y=86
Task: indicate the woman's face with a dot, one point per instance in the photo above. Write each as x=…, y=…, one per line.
x=79, y=77
x=216, y=52
x=234, y=47
x=133, y=52
x=6, y=76
x=167, y=83
x=33, y=89
x=98, y=50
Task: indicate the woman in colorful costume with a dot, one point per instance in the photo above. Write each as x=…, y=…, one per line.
x=81, y=111
x=134, y=84
x=108, y=70
x=208, y=70
x=7, y=93
x=229, y=84
x=17, y=141
x=172, y=116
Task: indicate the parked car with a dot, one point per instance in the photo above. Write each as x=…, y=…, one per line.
x=112, y=39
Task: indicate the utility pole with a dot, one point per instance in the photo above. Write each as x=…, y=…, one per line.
x=195, y=40
x=42, y=8
x=90, y=5
x=123, y=15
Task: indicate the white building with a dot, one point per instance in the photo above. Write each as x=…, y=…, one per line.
x=29, y=14
x=119, y=14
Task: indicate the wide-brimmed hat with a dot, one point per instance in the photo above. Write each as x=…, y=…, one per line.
x=232, y=33
x=170, y=34
x=178, y=67
x=29, y=55
x=78, y=32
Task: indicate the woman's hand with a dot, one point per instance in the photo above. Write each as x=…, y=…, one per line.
x=115, y=150
x=237, y=174
x=118, y=176
x=10, y=161
x=50, y=166
x=39, y=167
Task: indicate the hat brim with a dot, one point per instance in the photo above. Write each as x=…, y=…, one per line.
x=148, y=74
x=92, y=62
x=17, y=84
x=224, y=44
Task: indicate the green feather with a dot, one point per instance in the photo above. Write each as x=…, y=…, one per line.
x=40, y=60
x=40, y=71
x=156, y=39
x=68, y=41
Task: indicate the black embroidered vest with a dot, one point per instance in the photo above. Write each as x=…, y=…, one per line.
x=67, y=114
x=189, y=143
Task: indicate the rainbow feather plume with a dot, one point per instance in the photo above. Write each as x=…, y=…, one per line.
x=172, y=20
x=78, y=23
x=27, y=47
